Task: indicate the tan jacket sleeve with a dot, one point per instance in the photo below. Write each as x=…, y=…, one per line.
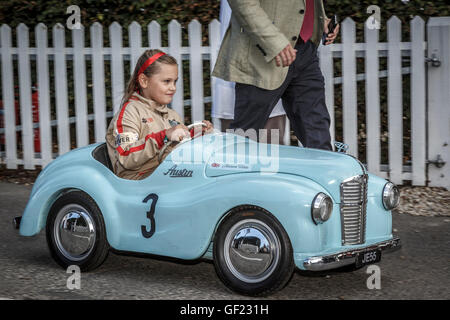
x=132, y=150
x=323, y=11
x=257, y=24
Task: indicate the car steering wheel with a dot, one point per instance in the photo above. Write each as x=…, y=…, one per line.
x=184, y=140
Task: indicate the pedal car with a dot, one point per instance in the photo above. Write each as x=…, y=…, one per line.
x=259, y=211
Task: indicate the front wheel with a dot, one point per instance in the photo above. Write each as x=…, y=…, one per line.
x=252, y=253
x=76, y=232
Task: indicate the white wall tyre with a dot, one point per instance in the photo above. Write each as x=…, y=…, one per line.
x=76, y=232
x=252, y=252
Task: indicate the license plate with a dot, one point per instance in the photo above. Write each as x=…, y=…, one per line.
x=368, y=257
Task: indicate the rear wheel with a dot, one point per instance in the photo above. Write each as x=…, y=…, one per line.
x=252, y=253
x=76, y=232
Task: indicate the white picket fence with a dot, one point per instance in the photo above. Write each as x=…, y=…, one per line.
x=372, y=50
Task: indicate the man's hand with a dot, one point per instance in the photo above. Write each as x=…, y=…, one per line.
x=330, y=36
x=286, y=56
x=178, y=132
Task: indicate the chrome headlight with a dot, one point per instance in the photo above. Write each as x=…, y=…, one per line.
x=391, y=196
x=321, y=208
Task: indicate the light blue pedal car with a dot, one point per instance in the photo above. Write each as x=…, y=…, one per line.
x=259, y=211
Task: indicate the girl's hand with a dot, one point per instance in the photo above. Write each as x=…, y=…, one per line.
x=209, y=127
x=177, y=133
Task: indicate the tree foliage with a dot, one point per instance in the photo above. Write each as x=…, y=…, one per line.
x=405, y=10
x=50, y=12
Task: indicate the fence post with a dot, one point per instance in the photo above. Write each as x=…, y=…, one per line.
x=175, y=43
x=196, y=71
x=26, y=112
x=438, y=30
x=372, y=100
x=326, y=66
x=349, y=89
x=98, y=81
x=62, y=105
x=418, y=128
x=154, y=35
x=8, y=98
x=135, y=43
x=117, y=77
x=80, y=85
x=214, y=46
x=395, y=104
x=44, y=93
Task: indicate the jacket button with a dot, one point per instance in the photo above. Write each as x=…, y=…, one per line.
x=294, y=38
x=302, y=11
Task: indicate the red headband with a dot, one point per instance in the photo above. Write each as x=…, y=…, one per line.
x=149, y=62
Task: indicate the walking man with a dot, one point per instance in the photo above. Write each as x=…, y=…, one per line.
x=270, y=51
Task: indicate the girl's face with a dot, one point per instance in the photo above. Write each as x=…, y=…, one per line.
x=161, y=86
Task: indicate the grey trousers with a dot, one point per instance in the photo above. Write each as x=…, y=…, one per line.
x=303, y=97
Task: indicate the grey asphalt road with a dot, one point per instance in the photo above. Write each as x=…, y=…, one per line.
x=421, y=270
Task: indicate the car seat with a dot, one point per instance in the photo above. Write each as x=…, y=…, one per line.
x=101, y=155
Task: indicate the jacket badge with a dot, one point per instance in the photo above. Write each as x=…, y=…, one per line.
x=145, y=120
x=125, y=138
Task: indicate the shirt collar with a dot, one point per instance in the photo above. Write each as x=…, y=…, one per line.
x=162, y=108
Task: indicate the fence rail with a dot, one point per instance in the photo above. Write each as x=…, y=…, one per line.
x=97, y=97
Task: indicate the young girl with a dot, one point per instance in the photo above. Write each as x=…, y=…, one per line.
x=144, y=123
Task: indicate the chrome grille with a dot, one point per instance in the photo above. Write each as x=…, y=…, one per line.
x=353, y=210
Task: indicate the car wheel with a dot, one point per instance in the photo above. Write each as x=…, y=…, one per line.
x=76, y=232
x=252, y=253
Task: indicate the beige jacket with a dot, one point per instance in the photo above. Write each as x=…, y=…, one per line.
x=258, y=31
x=136, y=135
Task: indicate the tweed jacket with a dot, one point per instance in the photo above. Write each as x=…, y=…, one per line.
x=258, y=31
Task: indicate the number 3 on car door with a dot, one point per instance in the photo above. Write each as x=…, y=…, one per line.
x=150, y=216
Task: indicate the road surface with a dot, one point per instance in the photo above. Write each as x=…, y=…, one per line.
x=420, y=270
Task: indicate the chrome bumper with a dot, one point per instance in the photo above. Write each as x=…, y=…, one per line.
x=348, y=257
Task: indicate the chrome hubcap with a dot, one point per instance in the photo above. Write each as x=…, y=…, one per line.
x=74, y=231
x=252, y=250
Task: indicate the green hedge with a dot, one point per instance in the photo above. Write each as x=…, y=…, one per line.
x=405, y=11
x=13, y=12
x=357, y=10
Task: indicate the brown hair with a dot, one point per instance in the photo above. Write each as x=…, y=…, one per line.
x=133, y=84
